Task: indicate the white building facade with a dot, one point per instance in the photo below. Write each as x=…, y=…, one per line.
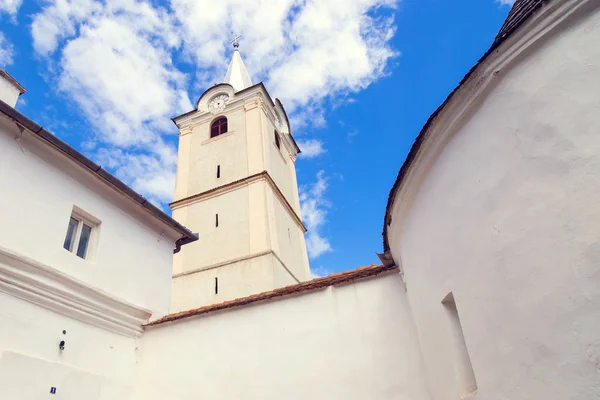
x=490, y=283
x=83, y=261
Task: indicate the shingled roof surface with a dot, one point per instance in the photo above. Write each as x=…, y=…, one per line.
x=521, y=11
x=313, y=284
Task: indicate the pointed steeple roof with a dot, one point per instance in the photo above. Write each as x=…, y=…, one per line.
x=237, y=74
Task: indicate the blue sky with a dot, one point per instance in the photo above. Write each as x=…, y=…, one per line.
x=359, y=77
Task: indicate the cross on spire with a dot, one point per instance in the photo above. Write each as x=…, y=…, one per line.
x=236, y=41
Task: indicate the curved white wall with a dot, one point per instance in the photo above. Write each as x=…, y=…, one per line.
x=508, y=219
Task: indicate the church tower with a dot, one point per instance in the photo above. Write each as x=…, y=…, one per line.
x=236, y=186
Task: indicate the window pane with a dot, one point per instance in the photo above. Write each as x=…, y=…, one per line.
x=84, y=239
x=218, y=127
x=70, y=234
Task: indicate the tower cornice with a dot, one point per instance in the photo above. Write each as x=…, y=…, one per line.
x=272, y=109
x=261, y=176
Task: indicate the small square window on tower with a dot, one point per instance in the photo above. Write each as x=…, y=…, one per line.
x=277, y=140
x=82, y=233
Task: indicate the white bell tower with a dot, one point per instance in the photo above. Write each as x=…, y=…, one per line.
x=236, y=186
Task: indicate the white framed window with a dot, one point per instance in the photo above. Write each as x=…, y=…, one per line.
x=82, y=232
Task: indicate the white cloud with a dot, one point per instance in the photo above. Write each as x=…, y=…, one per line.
x=115, y=62
x=116, y=65
x=338, y=48
x=10, y=6
x=306, y=50
x=6, y=48
x=146, y=172
x=311, y=148
x=6, y=51
x=58, y=21
x=351, y=134
x=506, y=2
x=313, y=115
x=319, y=272
x=313, y=207
x=121, y=79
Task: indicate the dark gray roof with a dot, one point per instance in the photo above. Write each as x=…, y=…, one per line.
x=186, y=235
x=520, y=12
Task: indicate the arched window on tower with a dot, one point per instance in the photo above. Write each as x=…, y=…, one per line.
x=218, y=127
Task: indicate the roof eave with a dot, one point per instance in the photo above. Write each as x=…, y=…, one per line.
x=187, y=236
x=12, y=80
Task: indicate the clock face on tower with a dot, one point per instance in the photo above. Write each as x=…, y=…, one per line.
x=217, y=104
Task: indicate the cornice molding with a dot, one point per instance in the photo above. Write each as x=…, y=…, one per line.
x=472, y=92
x=235, y=261
x=200, y=118
x=44, y=286
x=254, y=103
x=249, y=98
x=185, y=130
x=239, y=99
x=217, y=138
x=218, y=191
x=221, y=264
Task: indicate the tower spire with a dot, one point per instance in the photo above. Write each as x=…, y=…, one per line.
x=237, y=74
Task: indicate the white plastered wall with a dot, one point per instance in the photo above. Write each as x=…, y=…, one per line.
x=228, y=241
x=132, y=253
x=279, y=164
x=354, y=341
x=289, y=240
x=100, y=302
x=199, y=155
x=507, y=219
x=95, y=365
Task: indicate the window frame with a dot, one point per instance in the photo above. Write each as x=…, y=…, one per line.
x=214, y=123
x=83, y=219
